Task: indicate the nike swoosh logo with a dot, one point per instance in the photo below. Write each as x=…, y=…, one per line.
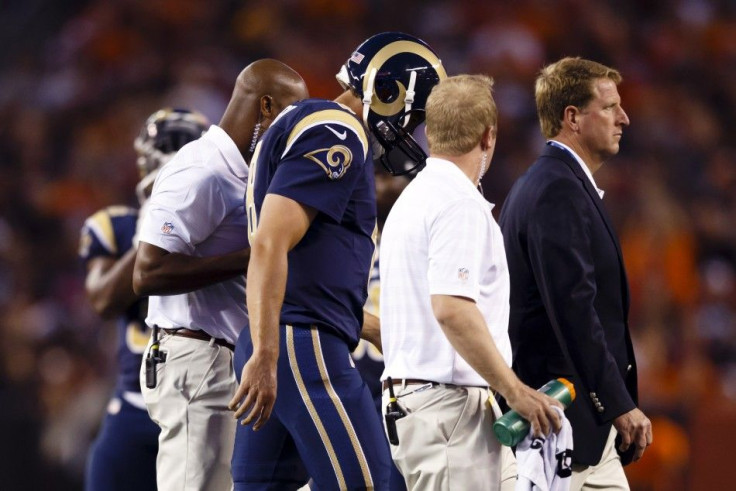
x=341, y=136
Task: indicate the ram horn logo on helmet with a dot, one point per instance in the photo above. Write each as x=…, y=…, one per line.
x=393, y=73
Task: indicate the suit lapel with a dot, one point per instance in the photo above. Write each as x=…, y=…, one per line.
x=574, y=166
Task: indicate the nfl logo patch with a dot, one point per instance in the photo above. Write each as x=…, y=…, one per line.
x=463, y=274
x=167, y=227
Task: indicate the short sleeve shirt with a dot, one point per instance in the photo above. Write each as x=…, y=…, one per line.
x=196, y=208
x=440, y=238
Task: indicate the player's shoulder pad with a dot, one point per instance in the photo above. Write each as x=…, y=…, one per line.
x=102, y=224
x=335, y=118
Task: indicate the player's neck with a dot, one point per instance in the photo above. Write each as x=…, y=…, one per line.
x=351, y=101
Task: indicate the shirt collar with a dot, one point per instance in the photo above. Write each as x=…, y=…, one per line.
x=229, y=150
x=562, y=146
x=452, y=171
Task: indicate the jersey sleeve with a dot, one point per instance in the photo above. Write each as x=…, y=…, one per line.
x=323, y=159
x=108, y=232
x=457, y=241
x=185, y=207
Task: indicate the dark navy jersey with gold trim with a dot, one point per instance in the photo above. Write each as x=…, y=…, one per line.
x=109, y=233
x=317, y=153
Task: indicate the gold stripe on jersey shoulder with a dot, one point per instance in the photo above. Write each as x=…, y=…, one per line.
x=335, y=116
x=101, y=223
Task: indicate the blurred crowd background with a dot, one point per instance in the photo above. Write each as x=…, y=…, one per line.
x=79, y=77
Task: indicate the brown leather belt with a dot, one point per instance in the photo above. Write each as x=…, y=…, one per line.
x=408, y=381
x=200, y=335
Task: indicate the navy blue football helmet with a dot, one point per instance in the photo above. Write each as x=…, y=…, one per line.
x=162, y=135
x=393, y=73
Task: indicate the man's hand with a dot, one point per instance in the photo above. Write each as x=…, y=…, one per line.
x=257, y=391
x=536, y=407
x=634, y=427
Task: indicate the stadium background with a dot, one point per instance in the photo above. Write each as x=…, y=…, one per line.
x=77, y=78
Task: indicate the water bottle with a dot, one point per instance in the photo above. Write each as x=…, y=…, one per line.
x=511, y=428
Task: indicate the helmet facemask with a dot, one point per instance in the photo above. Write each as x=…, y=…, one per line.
x=401, y=154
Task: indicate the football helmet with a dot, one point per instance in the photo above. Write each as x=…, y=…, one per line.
x=393, y=73
x=162, y=135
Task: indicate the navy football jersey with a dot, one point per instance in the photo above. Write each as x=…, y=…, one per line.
x=109, y=232
x=317, y=153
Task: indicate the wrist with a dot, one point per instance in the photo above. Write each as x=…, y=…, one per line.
x=512, y=391
x=266, y=354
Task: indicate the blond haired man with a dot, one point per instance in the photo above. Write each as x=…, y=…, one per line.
x=569, y=296
x=444, y=304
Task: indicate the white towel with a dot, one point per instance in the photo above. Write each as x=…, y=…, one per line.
x=545, y=464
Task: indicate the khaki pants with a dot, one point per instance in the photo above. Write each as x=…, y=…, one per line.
x=508, y=469
x=446, y=440
x=189, y=403
x=607, y=475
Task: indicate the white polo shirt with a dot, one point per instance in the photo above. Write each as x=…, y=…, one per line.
x=197, y=208
x=440, y=238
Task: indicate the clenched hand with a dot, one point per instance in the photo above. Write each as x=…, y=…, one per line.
x=634, y=427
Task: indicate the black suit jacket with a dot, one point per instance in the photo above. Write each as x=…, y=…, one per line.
x=569, y=297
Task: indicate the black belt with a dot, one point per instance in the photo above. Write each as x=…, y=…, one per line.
x=200, y=335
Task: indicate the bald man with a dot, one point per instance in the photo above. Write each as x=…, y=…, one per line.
x=192, y=256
